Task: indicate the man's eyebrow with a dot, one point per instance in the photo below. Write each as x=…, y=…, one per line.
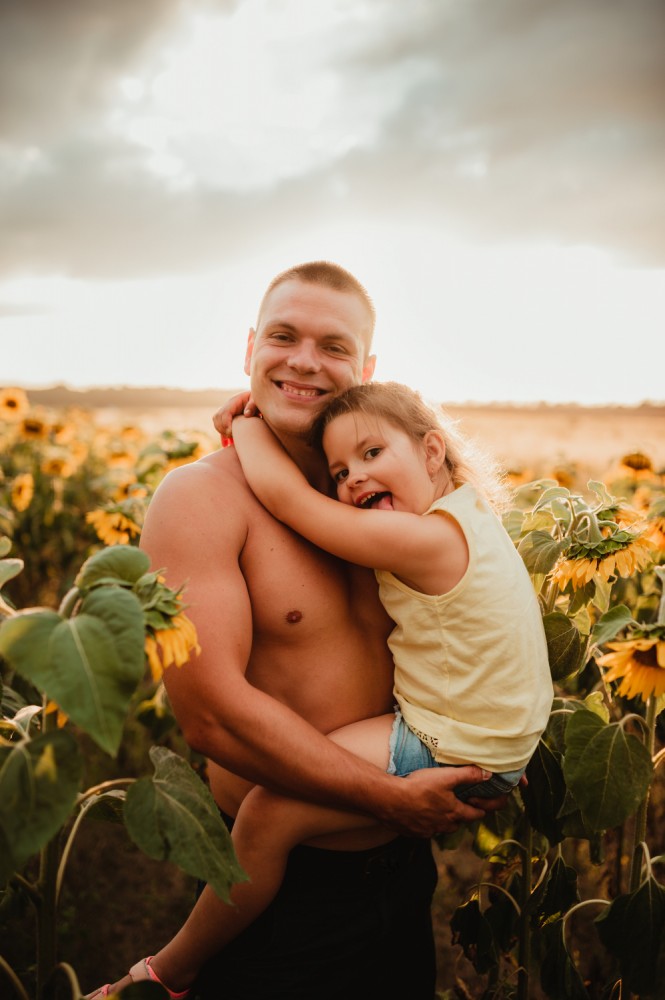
x=282, y=324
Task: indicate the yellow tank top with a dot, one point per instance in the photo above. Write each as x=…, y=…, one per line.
x=472, y=676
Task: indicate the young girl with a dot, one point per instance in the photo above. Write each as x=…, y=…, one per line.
x=472, y=679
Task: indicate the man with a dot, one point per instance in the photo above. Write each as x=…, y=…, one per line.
x=294, y=646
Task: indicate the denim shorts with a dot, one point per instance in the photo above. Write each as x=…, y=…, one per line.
x=408, y=753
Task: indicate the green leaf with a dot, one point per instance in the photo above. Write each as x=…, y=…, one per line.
x=582, y=620
x=562, y=512
x=5, y=546
x=559, y=978
x=595, y=702
x=560, y=892
x=538, y=520
x=473, y=933
x=581, y=597
x=540, y=551
x=602, y=593
x=9, y=568
x=562, y=709
x=545, y=793
x=121, y=565
x=601, y=492
x=172, y=816
x=501, y=915
x=633, y=929
x=554, y=492
x=564, y=645
x=39, y=781
x=611, y=623
x=607, y=770
x=512, y=522
x=90, y=664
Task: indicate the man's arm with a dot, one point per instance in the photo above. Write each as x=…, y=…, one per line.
x=234, y=723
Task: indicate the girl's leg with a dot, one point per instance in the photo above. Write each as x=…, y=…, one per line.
x=265, y=830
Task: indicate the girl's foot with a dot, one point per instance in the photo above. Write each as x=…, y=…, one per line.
x=141, y=971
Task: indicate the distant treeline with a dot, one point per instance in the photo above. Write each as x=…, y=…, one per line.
x=151, y=397
x=128, y=397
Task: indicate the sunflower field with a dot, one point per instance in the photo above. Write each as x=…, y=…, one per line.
x=567, y=897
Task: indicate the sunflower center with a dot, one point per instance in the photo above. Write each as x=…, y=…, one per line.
x=646, y=657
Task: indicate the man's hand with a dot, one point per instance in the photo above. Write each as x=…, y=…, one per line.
x=430, y=805
x=241, y=404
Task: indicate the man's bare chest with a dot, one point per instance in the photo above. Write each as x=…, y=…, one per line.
x=295, y=589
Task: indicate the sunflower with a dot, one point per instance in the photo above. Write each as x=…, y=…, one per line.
x=13, y=404
x=57, y=465
x=171, y=645
x=636, y=462
x=128, y=487
x=34, y=428
x=112, y=527
x=516, y=476
x=623, y=554
x=631, y=470
x=655, y=532
x=565, y=475
x=639, y=663
x=23, y=489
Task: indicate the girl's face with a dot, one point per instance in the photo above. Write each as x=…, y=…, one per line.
x=375, y=464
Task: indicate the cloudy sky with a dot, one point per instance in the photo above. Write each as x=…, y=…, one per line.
x=492, y=170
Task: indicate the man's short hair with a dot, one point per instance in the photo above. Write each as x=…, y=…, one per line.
x=324, y=272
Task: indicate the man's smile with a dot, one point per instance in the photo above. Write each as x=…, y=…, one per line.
x=296, y=389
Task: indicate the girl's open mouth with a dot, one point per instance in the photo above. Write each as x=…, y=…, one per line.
x=377, y=501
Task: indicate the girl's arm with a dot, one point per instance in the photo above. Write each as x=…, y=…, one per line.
x=392, y=540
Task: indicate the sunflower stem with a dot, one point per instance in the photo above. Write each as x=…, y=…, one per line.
x=69, y=602
x=640, y=833
x=47, y=906
x=660, y=573
x=524, y=945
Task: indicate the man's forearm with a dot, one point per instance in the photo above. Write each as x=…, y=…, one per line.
x=267, y=743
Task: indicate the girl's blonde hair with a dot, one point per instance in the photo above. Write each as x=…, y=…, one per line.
x=405, y=409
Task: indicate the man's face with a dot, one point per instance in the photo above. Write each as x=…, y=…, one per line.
x=310, y=344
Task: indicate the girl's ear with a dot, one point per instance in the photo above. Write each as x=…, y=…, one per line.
x=434, y=444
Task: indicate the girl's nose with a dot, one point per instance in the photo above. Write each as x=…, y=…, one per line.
x=359, y=476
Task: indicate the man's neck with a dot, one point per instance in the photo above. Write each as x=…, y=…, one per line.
x=309, y=460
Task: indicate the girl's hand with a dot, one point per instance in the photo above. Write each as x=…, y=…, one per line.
x=241, y=404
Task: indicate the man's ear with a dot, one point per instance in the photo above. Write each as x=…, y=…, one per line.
x=250, y=347
x=434, y=444
x=368, y=368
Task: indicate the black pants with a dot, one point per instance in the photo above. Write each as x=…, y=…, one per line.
x=344, y=926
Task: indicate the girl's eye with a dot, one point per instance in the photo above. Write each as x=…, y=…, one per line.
x=340, y=476
x=372, y=452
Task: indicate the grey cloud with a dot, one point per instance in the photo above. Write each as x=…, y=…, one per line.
x=59, y=57
x=519, y=119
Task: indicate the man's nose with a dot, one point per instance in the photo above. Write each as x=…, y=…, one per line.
x=304, y=357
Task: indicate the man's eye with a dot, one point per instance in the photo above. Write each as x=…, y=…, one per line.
x=280, y=336
x=336, y=349
x=340, y=476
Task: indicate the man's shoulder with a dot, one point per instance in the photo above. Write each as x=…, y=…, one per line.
x=216, y=481
x=218, y=470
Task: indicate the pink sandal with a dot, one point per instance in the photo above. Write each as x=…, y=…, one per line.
x=138, y=973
